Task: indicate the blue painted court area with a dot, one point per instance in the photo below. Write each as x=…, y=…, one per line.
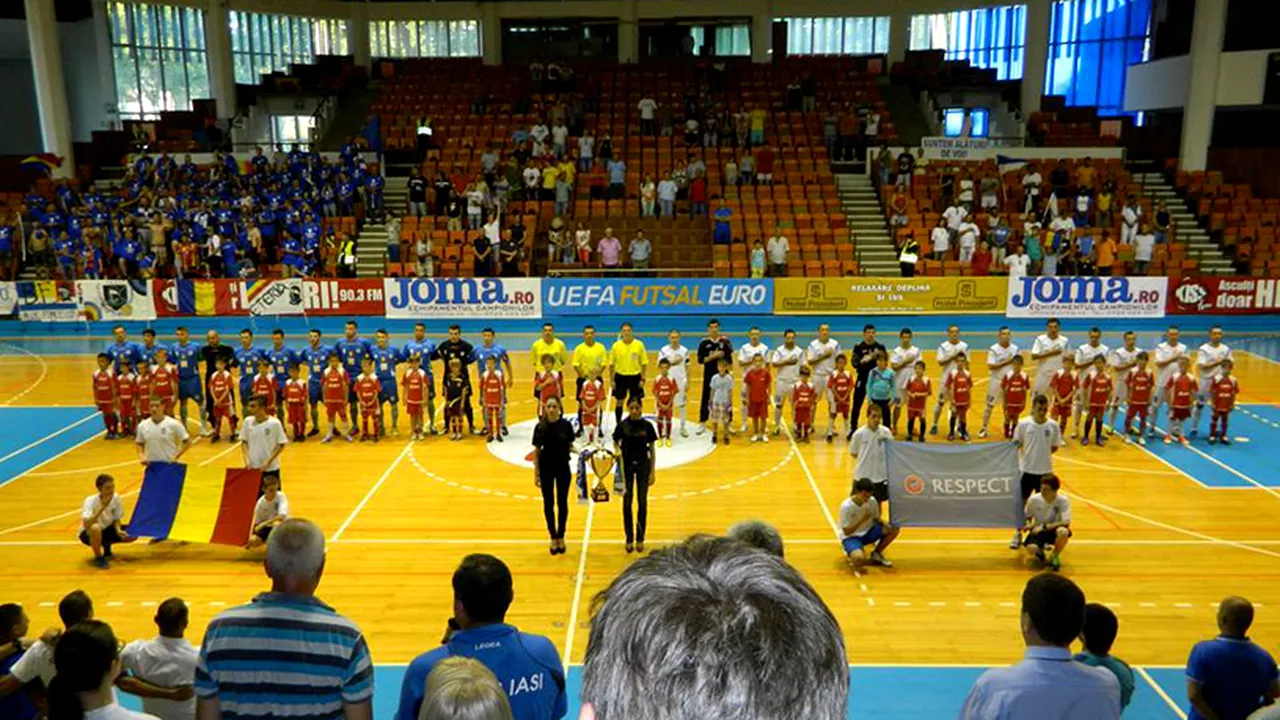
x=34, y=435
x=887, y=693
x=1255, y=430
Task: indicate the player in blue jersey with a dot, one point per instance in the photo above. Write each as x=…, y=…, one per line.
x=149, y=347
x=316, y=357
x=490, y=349
x=186, y=355
x=247, y=357
x=352, y=350
x=423, y=349
x=124, y=353
x=385, y=359
x=282, y=358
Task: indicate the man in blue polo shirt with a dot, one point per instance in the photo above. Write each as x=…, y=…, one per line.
x=282, y=358
x=247, y=357
x=488, y=348
x=424, y=349
x=527, y=666
x=123, y=352
x=186, y=355
x=316, y=357
x=352, y=350
x=1229, y=676
x=385, y=360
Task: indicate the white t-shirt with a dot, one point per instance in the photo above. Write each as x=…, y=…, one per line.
x=1017, y=264
x=872, y=125
x=864, y=514
x=748, y=353
x=969, y=235
x=1087, y=353
x=1130, y=214
x=940, y=239
x=788, y=374
x=113, y=514
x=954, y=216
x=261, y=439
x=1165, y=353
x=997, y=354
x=778, y=248
x=1124, y=358
x=647, y=106
x=947, y=352
x=1038, y=441
x=559, y=134
x=906, y=357
x=36, y=662
x=817, y=348
x=1031, y=183
x=115, y=712
x=1063, y=223
x=1058, y=511
x=679, y=358
x=1046, y=367
x=161, y=441
x=167, y=662
x=1209, y=354
x=869, y=446
x=1143, y=246
x=266, y=509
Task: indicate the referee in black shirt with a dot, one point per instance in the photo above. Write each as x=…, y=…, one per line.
x=209, y=355
x=713, y=348
x=455, y=348
x=864, y=361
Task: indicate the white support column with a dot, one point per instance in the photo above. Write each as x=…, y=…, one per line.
x=106, y=74
x=222, y=70
x=51, y=87
x=1202, y=91
x=762, y=33
x=628, y=33
x=491, y=33
x=358, y=35
x=899, y=36
x=1035, y=57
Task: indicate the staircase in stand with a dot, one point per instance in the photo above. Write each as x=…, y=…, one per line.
x=1185, y=227
x=872, y=240
x=371, y=243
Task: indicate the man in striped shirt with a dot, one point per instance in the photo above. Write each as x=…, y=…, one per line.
x=286, y=654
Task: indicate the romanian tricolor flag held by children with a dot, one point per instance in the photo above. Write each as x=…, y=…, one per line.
x=196, y=504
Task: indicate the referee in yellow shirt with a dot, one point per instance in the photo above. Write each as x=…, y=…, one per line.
x=627, y=362
x=551, y=345
x=588, y=356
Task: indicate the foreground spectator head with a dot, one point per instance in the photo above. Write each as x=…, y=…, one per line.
x=1235, y=616
x=87, y=660
x=758, y=534
x=462, y=688
x=295, y=557
x=711, y=629
x=1052, y=610
x=482, y=591
x=1100, y=629
x=172, y=617
x=14, y=622
x=75, y=607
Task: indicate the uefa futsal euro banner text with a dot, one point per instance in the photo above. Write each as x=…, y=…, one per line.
x=563, y=296
x=1087, y=297
x=480, y=298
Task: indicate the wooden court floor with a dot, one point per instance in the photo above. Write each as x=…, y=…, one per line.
x=1151, y=541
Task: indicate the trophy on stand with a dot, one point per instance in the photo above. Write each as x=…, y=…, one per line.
x=602, y=463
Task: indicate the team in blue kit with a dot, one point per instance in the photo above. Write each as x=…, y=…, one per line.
x=282, y=358
x=352, y=350
x=423, y=349
x=316, y=357
x=490, y=349
x=186, y=355
x=246, y=358
x=385, y=359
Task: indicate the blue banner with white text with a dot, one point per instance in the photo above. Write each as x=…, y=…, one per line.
x=656, y=296
x=936, y=485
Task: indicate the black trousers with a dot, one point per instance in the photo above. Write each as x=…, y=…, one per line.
x=704, y=404
x=859, y=397
x=555, y=495
x=625, y=387
x=635, y=473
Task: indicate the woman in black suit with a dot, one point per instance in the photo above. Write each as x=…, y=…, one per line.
x=552, y=442
x=633, y=439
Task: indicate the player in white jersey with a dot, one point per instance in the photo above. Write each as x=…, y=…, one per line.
x=786, y=360
x=678, y=355
x=1166, y=366
x=821, y=358
x=1209, y=359
x=747, y=354
x=1122, y=360
x=1047, y=352
x=1000, y=365
x=902, y=360
x=1086, y=354
x=948, y=352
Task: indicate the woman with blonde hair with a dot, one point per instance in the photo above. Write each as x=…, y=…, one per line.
x=462, y=688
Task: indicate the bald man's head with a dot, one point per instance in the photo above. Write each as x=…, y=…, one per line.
x=1235, y=615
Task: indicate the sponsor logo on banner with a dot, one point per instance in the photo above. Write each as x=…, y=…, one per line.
x=48, y=301
x=272, y=297
x=1121, y=297
x=463, y=298
x=362, y=296
x=910, y=296
x=1224, y=295
x=115, y=300
x=935, y=485
x=563, y=296
x=8, y=298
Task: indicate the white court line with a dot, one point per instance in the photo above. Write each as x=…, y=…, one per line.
x=572, y=631
x=1268, y=490
x=369, y=495
x=81, y=471
x=1175, y=528
x=59, y=516
x=51, y=436
x=1252, y=354
x=795, y=541
x=1160, y=692
x=1113, y=468
x=44, y=373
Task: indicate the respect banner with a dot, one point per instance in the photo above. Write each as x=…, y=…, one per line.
x=657, y=296
x=48, y=301
x=889, y=296
x=116, y=300
x=1241, y=295
x=935, y=485
x=1087, y=297
x=475, y=298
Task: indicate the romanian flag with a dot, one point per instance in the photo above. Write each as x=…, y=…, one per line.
x=46, y=162
x=197, y=504
x=199, y=297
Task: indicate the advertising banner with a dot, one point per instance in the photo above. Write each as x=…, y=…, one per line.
x=973, y=486
x=475, y=298
x=889, y=296
x=653, y=296
x=1087, y=297
x=272, y=297
x=1240, y=295
x=348, y=296
x=115, y=300
x=186, y=298
x=48, y=301
x=8, y=298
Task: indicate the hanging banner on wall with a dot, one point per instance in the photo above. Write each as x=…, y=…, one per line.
x=48, y=301
x=889, y=296
x=8, y=298
x=657, y=296
x=1087, y=297
x=463, y=298
x=1240, y=295
x=115, y=300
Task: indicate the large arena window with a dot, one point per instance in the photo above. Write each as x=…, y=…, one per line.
x=837, y=35
x=424, y=38
x=262, y=43
x=731, y=40
x=158, y=57
x=1091, y=45
x=993, y=37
